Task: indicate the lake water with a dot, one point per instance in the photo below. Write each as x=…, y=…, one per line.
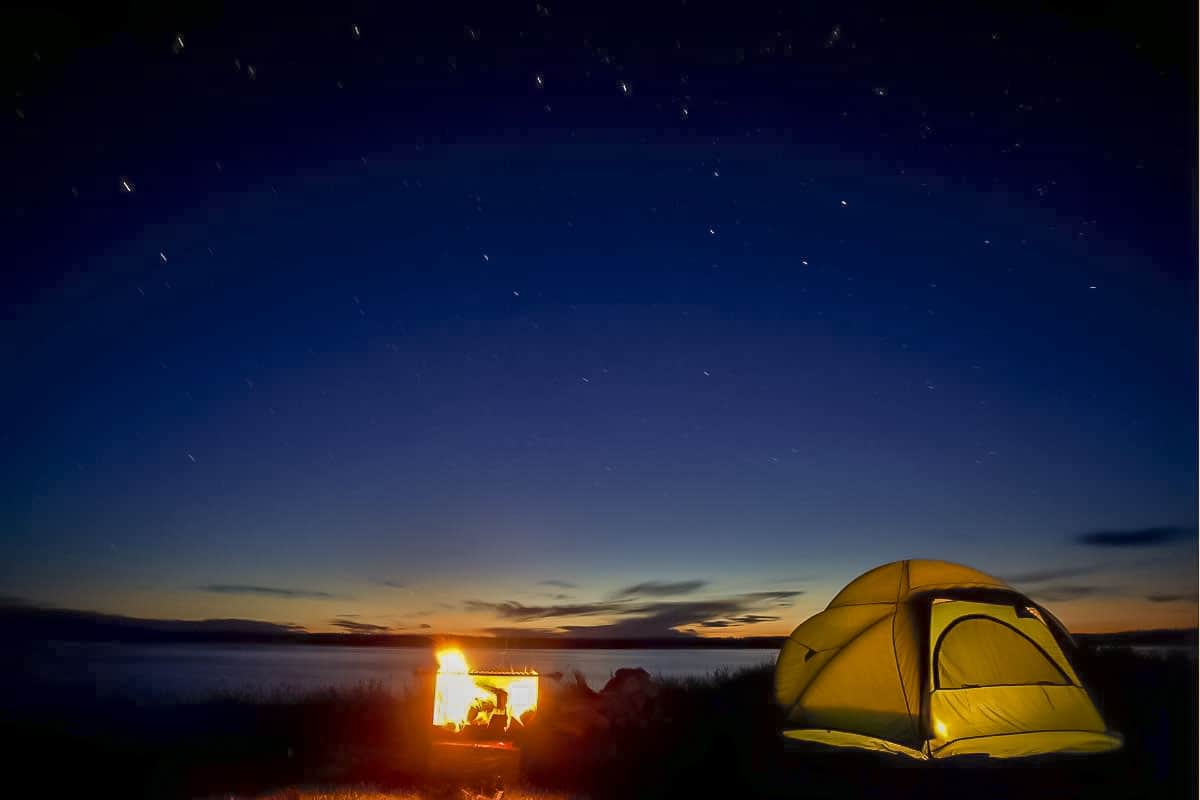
x=164, y=671
x=196, y=671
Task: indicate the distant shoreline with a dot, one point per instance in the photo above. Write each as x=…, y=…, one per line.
x=21, y=623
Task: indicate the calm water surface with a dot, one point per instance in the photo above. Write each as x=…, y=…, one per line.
x=198, y=670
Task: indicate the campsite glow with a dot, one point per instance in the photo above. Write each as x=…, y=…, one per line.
x=462, y=698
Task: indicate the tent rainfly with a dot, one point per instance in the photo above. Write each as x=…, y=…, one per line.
x=931, y=659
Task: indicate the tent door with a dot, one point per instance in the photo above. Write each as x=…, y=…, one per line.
x=996, y=677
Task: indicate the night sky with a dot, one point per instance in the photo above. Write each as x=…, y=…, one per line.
x=470, y=317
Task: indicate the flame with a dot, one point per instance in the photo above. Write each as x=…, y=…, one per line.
x=452, y=661
x=462, y=698
x=522, y=696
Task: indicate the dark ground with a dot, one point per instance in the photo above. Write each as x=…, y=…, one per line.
x=700, y=738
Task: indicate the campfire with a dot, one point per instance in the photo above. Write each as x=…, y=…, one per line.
x=484, y=701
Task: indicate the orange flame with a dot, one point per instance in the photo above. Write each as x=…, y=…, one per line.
x=462, y=698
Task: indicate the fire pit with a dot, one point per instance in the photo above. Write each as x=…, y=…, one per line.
x=481, y=700
x=474, y=713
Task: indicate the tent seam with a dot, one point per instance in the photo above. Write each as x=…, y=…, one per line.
x=896, y=656
x=792, y=637
x=821, y=669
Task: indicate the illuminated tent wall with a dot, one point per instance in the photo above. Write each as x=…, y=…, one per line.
x=932, y=659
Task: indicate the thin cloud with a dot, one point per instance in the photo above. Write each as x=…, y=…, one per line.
x=425, y=626
x=358, y=627
x=1046, y=575
x=774, y=598
x=504, y=631
x=664, y=618
x=1070, y=592
x=559, y=584
x=744, y=619
x=753, y=619
x=661, y=588
x=520, y=612
x=1135, y=537
x=265, y=591
x=1172, y=598
x=391, y=584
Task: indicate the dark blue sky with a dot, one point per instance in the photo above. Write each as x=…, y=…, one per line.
x=409, y=314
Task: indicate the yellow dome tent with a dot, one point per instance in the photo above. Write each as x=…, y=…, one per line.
x=932, y=659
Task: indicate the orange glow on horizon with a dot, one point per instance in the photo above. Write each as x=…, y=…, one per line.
x=1130, y=610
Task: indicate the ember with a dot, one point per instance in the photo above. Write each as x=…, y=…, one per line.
x=483, y=700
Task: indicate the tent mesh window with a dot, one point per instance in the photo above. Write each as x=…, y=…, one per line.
x=981, y=651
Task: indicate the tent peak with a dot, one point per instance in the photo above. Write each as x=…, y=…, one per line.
x=896, y=581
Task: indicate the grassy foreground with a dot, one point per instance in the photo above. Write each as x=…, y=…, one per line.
x=698, y=738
